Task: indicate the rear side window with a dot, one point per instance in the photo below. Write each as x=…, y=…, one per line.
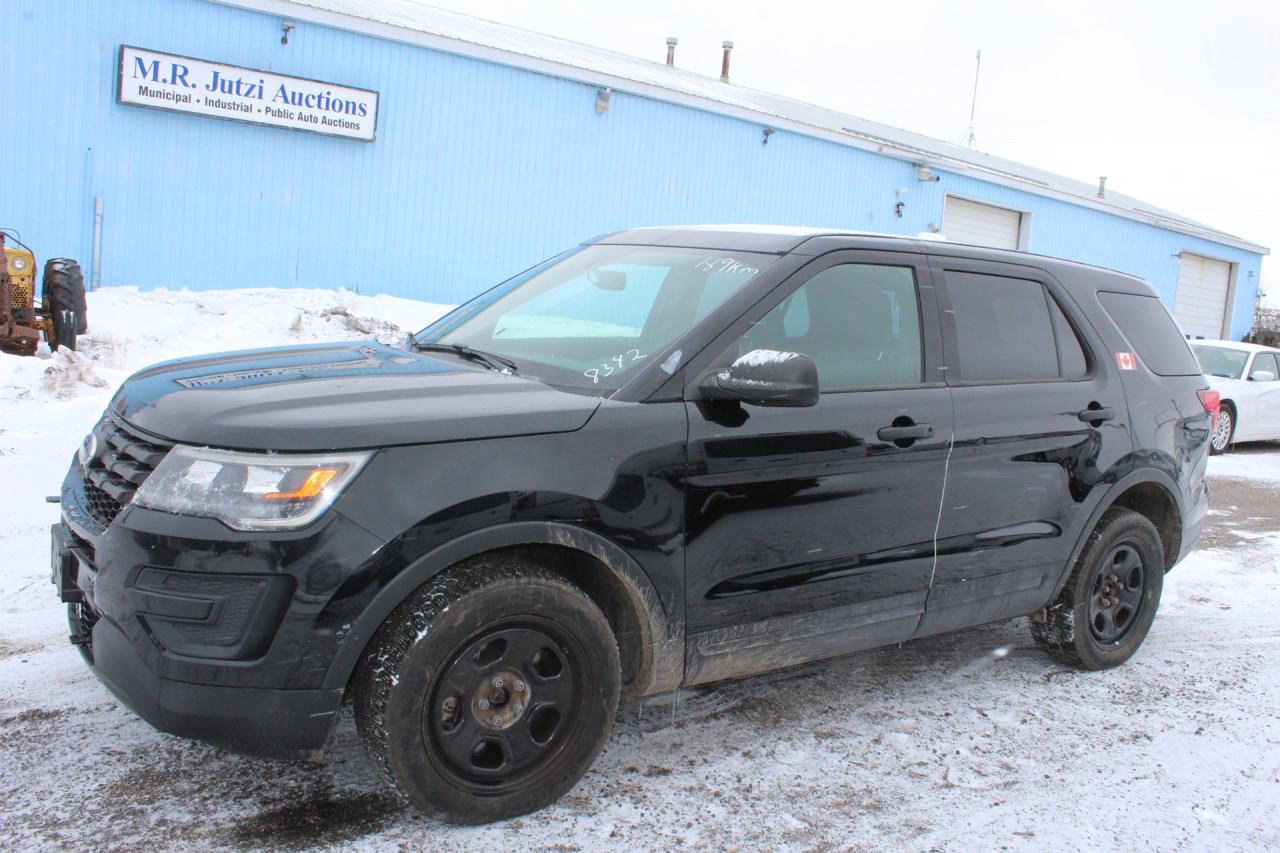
x=1011, y=330
x=1146, y=324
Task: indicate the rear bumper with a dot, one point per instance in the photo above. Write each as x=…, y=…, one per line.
x=1191, y=533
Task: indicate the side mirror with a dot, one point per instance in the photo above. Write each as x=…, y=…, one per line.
x=1262, y=376
x=765, y=377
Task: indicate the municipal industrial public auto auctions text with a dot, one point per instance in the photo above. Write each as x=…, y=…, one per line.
x=283, y=103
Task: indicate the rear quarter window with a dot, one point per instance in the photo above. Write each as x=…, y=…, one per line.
x=1154, y=336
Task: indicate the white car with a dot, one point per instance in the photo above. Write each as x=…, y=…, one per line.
x=1247, y=378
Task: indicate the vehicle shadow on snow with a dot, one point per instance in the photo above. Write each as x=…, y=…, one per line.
x=320, y=819
x=342, y=797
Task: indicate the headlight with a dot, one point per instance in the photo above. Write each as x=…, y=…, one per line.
x=19, y=264
x=248, y=491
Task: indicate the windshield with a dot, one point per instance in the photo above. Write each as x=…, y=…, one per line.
x=1221, y=361
x=591, y=319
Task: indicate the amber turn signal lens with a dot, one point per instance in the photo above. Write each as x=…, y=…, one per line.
x=312, y=486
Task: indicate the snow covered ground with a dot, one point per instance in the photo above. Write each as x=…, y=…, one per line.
x=971, y=741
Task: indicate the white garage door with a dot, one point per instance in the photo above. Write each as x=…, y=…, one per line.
x=980, y=224
x=1200, y=303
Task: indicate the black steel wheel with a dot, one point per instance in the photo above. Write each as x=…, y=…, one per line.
x=489, y=692
x=1116, y=595
x=1108, y=604
x=505, y=705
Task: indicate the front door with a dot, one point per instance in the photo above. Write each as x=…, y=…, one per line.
x=810, y=530
x=1264, y=377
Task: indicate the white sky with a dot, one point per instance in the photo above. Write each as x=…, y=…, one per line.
x=1177, y=103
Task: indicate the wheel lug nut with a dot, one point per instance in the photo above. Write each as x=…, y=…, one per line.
x=497, y=681
x=518, y=709
x=484, y=704
x=496, y=720
x=519, y=685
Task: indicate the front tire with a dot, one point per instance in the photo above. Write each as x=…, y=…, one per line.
x=1106, y=608
x=489, y=692
x=1220, y=439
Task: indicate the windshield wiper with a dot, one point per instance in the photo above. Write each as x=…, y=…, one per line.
x=493, y=360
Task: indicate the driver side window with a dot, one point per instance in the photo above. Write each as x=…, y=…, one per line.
x=1264, y=361
x=859, y=322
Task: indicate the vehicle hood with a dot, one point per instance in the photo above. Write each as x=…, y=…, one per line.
x=339, y=396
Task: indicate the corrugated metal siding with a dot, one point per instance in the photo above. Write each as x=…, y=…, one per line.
x=479, y=170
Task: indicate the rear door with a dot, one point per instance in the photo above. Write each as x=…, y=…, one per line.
x=1039, y=418
x=810, y=530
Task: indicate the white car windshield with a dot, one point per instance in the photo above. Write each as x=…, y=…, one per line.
x=591, y=319
x=1223, y=362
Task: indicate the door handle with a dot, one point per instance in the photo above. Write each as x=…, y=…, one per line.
x=1090, y=415
x=905, y=433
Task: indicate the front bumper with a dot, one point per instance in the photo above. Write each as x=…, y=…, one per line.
x=205, y=632
x=256, y=721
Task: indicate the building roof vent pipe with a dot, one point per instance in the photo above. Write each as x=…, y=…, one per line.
x=1102, y=186
x=672, y=41
x=724, y=65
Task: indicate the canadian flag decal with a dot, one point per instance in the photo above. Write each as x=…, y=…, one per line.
x=1126, y=361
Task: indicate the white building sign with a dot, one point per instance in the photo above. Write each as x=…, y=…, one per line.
x=182, y=84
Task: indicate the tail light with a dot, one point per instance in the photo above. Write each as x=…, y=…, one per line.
x=1212, y=403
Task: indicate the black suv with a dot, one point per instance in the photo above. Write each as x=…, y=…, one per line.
x=666, y=457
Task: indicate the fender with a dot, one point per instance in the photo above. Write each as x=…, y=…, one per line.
x=1133, y=478
x=662, y=640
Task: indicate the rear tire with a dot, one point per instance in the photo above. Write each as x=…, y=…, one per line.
x=64, y=334
x=1220, y=438
x=1106, y=609
x=489, y=692
x=63, y=295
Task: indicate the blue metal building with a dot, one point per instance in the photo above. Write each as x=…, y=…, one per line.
x=495, y=148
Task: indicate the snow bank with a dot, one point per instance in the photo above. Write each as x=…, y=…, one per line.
x=130, y=329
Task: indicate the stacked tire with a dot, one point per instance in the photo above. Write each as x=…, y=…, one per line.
x=64, y=301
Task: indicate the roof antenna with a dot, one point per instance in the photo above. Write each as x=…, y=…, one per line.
x=970, y=138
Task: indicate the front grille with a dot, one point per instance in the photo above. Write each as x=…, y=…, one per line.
x=101, y=505
x=123, y=461
x=20, y=293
